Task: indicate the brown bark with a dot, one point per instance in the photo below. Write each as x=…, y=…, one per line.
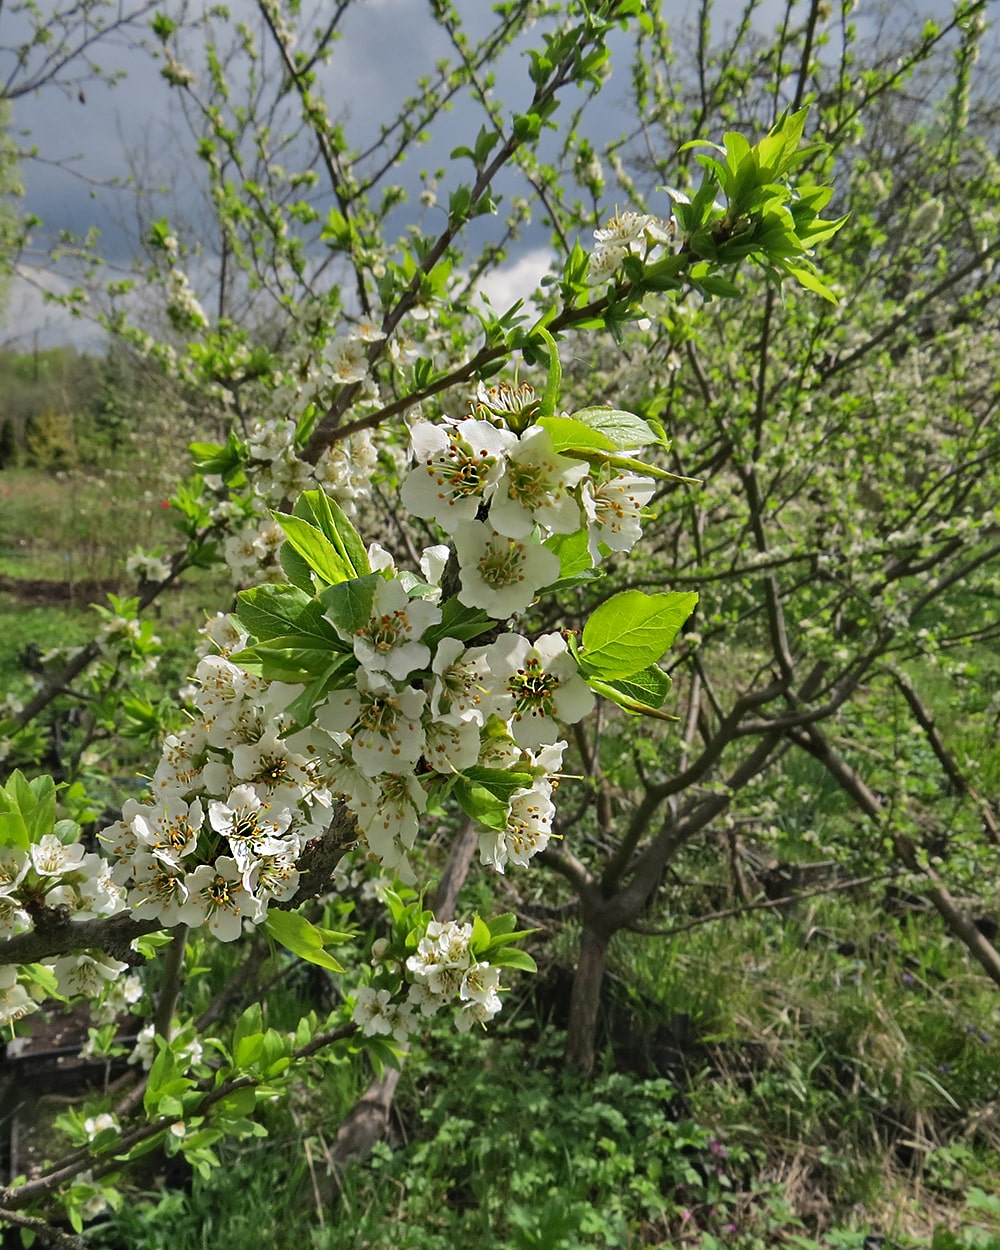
x=585, y=1000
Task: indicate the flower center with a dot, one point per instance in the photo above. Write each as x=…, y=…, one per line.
x=500, y=564
x=533, y=689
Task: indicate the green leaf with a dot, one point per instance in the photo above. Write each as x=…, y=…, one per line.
x=251, y=1021
x=318, y=529
x=485, y=794
x=480, y=805
x=296, y=665
x=573, y=552
x=503, y=925
x=480, y=938
x=458, y=621
x=550, y=395
x=269, y=612
x=511, y=957
x=623, y=430
x=315, y=548
x=569, y=434
x=631, y=631
x=811, y=282
x=648, y=688
x=501, y=782
x=349, y=604
x=338, y=676
x=302, y=938
x=296, y=569
x=27, y=809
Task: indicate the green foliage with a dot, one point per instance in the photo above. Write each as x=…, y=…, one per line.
x=304, y=939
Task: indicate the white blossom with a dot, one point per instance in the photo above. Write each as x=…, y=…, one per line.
x=499, y=574
x=457, y=468
x=537, y=487
x=389, y=641
x=544, y=683
x=383, y=723
x=217, y=898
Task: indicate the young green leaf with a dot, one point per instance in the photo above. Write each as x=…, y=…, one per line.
x=623, y=430
x=302, y=938
x=630, y=631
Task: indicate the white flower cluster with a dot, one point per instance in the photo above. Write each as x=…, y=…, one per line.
x=243, y=788
x=148, y=567
x=499, y=495
x=278, y=472
x=414, y=718
x=625, y=233
x=182, y=303
x=55, y=874
x=234, y=803
x=443, y=972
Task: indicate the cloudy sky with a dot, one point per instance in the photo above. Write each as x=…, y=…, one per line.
x=93, y=139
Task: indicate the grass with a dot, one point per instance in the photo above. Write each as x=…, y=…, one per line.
x=75, y=526
x=24, y=626
x=850, y=1073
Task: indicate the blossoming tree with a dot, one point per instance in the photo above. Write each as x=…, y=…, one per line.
x=435, y=566
x=351, y=694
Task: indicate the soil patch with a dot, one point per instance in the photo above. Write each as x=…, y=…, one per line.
x=50, y=593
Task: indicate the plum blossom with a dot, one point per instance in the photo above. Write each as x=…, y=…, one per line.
x=217, y=898
x=251, y=826
x=543, y=680
x=501, y=575
x=159, y=890
x=389, y=642
x=613, y=508
x=84, y=975
x=462, y=687
x=269, y=767
x=442, y=957
x=376, y=1013
x=457, y=469
x=51, y=858
x=478, y=992
x=515, y=405
x=537, y=487
x=383, y=723
x=13, y=866
x=452, y=744
x=625, y=233
x=388, y=811
x=15, y=1002
x=169, y=829
x=528, y=829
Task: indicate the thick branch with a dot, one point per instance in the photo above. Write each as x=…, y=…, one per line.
x=56, y=933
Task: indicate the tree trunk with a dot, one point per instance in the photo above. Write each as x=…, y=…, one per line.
x=585, y=1000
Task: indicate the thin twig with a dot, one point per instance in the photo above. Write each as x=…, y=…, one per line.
x=730, y=912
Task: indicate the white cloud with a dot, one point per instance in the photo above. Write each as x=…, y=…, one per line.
x=518, y=280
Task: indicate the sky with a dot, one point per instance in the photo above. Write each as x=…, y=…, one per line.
x=93, y=138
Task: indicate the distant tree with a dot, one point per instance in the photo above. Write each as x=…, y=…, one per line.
x=49, y=440
x=10, y=190
x=60, y=45
x=8, y=444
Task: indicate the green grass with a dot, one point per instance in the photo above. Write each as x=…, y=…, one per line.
x=76, y=526
x=23, y=626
